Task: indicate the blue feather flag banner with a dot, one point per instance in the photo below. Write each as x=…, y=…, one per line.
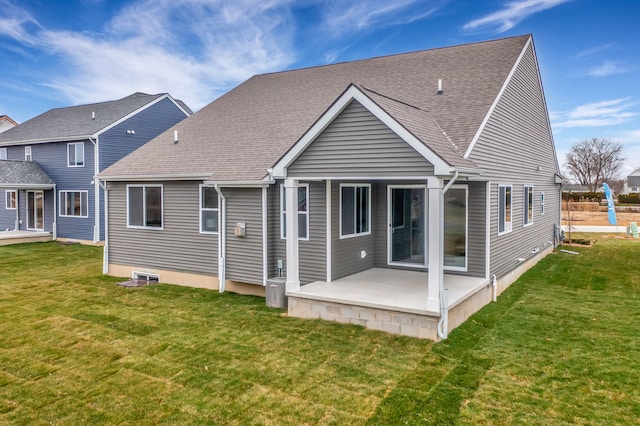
x=611, y=210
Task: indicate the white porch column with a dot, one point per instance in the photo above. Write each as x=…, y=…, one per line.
x=293, y=263
x=436, y=243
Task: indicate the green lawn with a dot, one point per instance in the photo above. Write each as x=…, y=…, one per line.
x=562, y=345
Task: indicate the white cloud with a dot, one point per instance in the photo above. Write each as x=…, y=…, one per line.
x=512, y=14
x=345, y=16
x=592, y=51
x=607, y=69
x=596, y=114
x=143, y=48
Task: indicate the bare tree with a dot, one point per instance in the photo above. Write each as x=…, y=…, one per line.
x=594, y=161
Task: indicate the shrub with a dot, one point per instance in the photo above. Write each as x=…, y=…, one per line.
x=628, y=199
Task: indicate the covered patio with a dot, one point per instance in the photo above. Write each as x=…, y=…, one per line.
x=392, y=300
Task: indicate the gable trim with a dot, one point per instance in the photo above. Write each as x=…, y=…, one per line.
x=354, y=93
x=142, y=108
x=497, y=99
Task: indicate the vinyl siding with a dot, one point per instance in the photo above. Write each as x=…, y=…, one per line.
x=345, y=254
x=52, y=158
x=515, y=142
x=178, y=247
x=7, y=216
x=244, y=254
x=313, y=257
x=115, y=143
x=358, y=144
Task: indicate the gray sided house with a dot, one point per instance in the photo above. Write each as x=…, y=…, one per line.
x=48, y=164
x=632, y=183
x=401, y=193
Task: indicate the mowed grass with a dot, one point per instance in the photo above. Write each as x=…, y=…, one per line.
x=561, y=346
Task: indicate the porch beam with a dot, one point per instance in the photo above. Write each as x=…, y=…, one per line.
x=435, y=243
x=293, y=258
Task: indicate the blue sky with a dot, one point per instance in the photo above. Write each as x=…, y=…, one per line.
x=60, y=53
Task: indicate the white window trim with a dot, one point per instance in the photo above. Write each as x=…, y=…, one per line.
x=283, y=225
x=201, y=209
x=4, y=154
x=526, y=196
x=14, y=198
x=62, y=200
x=510, y=222
x=466, y=233
x=28, y=156
x=355, y=185
x=541, y=203
x=144, y=218
x=83, y=156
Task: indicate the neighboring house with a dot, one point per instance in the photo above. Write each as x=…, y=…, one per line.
x=49, y=162
x=6, y=123
x=416, y=179
x=632, y=183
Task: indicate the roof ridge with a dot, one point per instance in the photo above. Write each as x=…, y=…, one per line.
x=452, y=46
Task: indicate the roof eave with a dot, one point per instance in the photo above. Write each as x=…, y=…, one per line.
x=137, y=178
x=47, y=140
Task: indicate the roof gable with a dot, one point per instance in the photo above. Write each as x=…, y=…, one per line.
x=79, y=122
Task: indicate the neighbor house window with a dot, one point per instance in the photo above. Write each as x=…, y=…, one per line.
x=303, y=212
x=634, y=189
x=11, y=197
x=355, y=210
x=542, y=203
x=75, y=154
x=528, y=205
x=504, y=209
x=74, y=203
x=3, y=153
x=144, y=206
x=208, y=210
x=27, y=153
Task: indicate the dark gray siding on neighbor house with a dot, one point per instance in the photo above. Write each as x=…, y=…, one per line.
x=355, y=144
x=178, y=247
x=115, y=143
x=244, y=255
x=519, y=122
x=52, y=158
x=313, y=253
x=7, y=216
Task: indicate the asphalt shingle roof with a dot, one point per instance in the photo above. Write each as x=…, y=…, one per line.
x=76, y=121
x=246, y=131
x=18, y=173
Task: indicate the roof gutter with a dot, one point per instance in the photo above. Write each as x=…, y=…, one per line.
x=47, y=140
x=240, y=183
x=124, y=178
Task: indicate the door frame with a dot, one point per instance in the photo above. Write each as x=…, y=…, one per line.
x=390, y=228
x=29, y=210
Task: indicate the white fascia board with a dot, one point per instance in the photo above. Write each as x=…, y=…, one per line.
x=497, y=99
x=353, y=93
x=151, y=177
x=47, y=140
x=27, y=186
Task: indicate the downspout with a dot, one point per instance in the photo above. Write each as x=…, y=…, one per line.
x=265, y=240
x=105, y=252
x=55, y=212
x=443, y=324
x=16, y=226
x=222, y=239
x=96, y=189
